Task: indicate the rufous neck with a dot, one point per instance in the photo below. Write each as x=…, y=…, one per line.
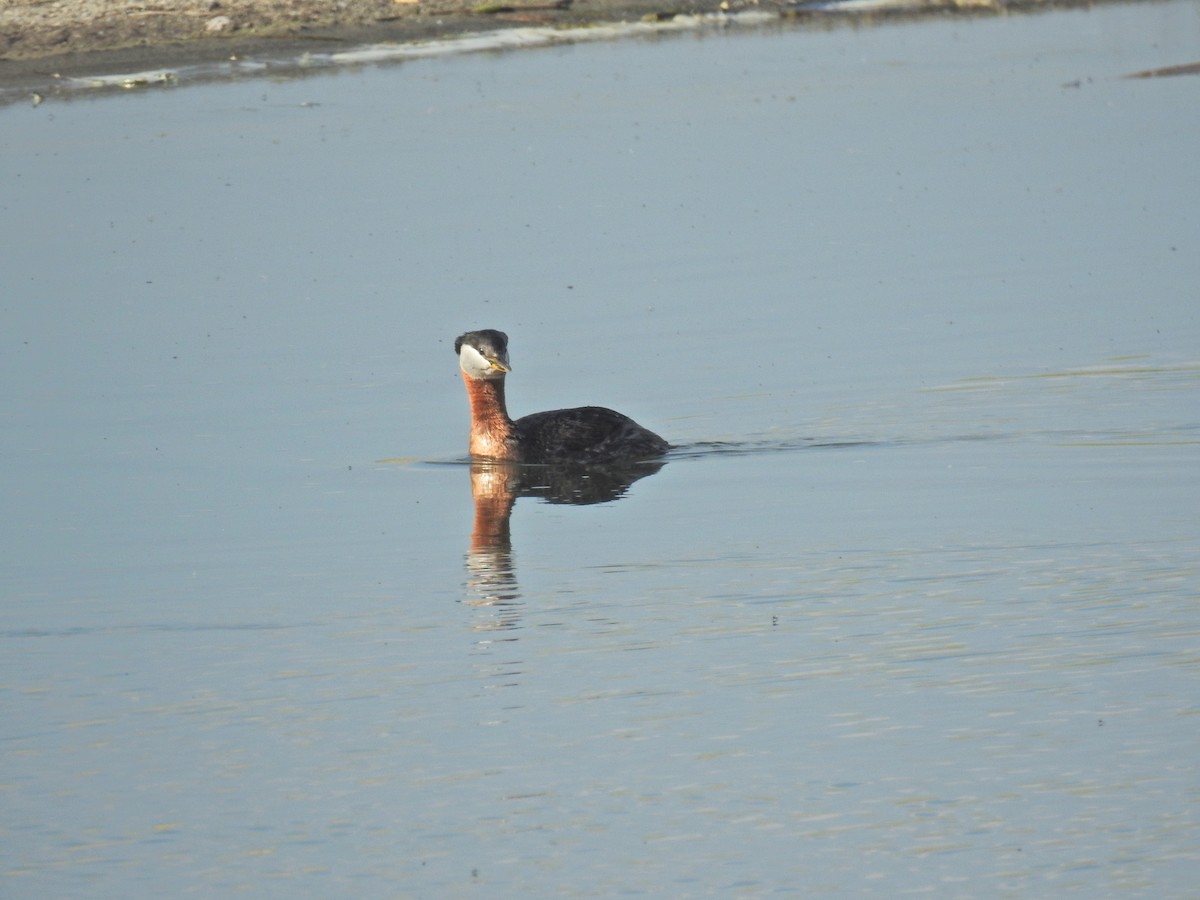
x=487, y=398
x=491, y=428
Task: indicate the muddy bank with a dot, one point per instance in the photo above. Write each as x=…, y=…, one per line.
x=76, y=36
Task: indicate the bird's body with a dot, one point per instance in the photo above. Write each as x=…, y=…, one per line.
x=586, y=434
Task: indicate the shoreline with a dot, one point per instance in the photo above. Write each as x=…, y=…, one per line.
x=46, y=43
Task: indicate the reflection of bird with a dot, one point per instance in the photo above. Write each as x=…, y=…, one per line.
x=496, y=485
x=587, y=434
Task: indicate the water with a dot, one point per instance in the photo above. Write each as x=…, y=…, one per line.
x=912, y=607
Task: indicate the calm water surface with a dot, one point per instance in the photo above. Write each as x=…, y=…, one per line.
x=912, y=607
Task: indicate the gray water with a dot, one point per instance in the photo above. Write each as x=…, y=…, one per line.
x=912, y=607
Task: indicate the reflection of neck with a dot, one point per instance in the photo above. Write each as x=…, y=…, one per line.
x=491, y=428
x=494, y=489
x=491, y=580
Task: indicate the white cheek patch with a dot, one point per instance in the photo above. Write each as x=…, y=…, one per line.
x=472, y=362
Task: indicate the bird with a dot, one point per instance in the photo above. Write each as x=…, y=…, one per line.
x=588, y=435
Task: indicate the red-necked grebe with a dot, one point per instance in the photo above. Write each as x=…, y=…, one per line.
x=588, y=434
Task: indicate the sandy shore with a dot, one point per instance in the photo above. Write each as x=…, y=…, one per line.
x=88, y=36
x=41, y=28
